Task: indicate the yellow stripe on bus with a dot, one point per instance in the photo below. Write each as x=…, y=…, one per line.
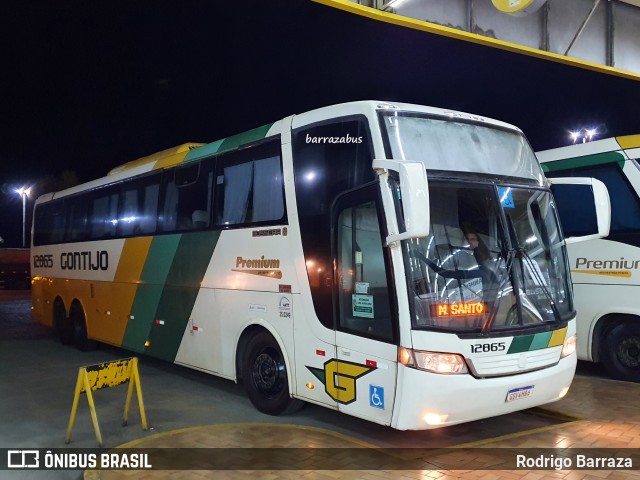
x=607, y=273
x=629, y=141
x=165, y=158
x=557, y=338
x=134, y=254
x=171, y=160
x=114, y=300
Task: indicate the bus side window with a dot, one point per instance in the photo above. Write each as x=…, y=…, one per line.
x=128, y=219
x=41, y=226
x=188, y=191
x=250, y=186
x=57, y=223
x=576, y=210
x=77, y=210
x=323, y=170
x=138, y=207
x=149, y=210
x=49, y=223
x=104, y=216
x=625, y=204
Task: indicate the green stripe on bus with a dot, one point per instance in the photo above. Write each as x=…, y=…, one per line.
x=180, y=291
x=229, y=143
x=520, y=344
x=204, y=151
x=528, y=343
x=586, y=161
x=540, y=341
x=152, y=280
x=249, y=136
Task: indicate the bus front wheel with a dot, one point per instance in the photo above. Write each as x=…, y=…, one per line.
x=80, y=337
x=621, y=352
x=264, y=375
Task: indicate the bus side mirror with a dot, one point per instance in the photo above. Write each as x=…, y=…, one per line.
x=583, y=206
x=415, y=197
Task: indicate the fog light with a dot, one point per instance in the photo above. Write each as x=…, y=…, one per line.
x=563, y=392
x=435, y=419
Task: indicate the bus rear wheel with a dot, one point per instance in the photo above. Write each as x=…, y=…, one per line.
x=264, y=374
x=621, y=352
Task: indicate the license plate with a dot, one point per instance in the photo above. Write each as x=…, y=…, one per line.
x=519, y=393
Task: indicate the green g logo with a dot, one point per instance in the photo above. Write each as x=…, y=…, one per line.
x=339, y=379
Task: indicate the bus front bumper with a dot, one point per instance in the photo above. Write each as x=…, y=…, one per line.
x=428, y=400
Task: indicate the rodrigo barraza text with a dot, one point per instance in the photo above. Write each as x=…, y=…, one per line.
x=565, y=463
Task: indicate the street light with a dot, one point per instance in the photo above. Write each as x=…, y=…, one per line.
x=24, y=193
x=586, y=134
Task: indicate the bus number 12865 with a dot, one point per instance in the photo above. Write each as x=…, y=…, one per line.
x=488, y=347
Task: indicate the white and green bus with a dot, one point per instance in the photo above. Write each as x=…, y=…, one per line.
x=605, y=272
x=313, y=260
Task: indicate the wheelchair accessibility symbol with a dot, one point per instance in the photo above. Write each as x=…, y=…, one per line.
x=376, y=397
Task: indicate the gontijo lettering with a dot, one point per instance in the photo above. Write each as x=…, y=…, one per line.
x=88, y=260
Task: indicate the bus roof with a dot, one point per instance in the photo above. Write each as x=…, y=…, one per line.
x=193, y=151
x=373, y=106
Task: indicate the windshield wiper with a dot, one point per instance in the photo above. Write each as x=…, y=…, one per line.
x=533, y=267
x=502, y=281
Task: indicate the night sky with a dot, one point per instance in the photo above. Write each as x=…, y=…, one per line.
x=87, y=86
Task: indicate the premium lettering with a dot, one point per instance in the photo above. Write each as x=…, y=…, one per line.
x=622, y=264
x=98, y=260
x=257, y=263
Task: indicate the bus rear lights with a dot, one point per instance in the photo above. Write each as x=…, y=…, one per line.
x=435, y=362
x=569, y=346
x=435, y=419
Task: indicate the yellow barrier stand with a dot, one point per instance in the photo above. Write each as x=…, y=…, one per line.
x=104, y=375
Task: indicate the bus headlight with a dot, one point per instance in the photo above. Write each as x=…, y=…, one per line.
x=569, y=346
x=436, y=362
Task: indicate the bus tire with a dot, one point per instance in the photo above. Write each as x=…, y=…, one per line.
x=79, y=322
x=264, y=374
x=61, y=325
x=620, y=354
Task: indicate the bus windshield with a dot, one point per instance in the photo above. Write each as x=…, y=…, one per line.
x=494, y=260
x=457, y=146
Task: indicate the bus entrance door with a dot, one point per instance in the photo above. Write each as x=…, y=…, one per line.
x=366, y=366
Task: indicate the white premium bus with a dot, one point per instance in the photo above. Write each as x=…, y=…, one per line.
x=606, y=271
x=312, y=259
